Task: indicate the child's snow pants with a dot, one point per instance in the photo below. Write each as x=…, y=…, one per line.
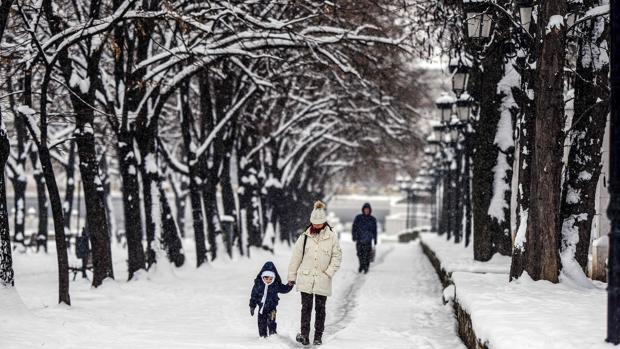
x=267, y=323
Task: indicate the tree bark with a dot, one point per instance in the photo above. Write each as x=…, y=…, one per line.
x=96, y=220
x=228, y=203
x=7, y=275
x=194, y=188
x=70, y=187
x=485, y=154
x=19, y=181
x=131, y=203
x=42, y=213
x=59, y=227
x=526, y=140
x=6, y=260
x=583, y=168
x=148, y=171
x=543, y=229
x=170, y=232
x=104, y=175
x=180, y=201
x=50, y=181
x=214, y=226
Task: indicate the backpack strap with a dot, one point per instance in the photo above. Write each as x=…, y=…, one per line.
x=303, y=250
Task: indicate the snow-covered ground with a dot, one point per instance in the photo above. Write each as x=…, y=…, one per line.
x=533, y=314
x=455, y=257
x=396, y=305
x=523, y=313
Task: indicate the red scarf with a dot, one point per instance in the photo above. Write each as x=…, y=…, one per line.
x=314, y=231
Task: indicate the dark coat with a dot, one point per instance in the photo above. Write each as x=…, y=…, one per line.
x=271, y=302
x=365, y=227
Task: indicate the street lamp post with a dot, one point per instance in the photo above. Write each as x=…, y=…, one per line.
x=408, y=218
x=405, y=186
x=434, y=198
x=526, y=8
x=445, y=105
x=463, y=107
x=478, y=19
x=460, y=69
x=434, y=144
x=613, y=288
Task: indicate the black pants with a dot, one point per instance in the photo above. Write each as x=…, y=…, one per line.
x=363, y=253
x=267, y=321
x=306, y=314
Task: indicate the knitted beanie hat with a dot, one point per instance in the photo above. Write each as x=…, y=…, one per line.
x=318, y=215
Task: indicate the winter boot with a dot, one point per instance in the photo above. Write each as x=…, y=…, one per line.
x=317, y=340
x=302, y=339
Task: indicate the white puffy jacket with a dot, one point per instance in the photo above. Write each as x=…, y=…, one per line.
x=321, y=260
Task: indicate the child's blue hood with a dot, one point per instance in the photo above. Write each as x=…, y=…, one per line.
x=269, y=266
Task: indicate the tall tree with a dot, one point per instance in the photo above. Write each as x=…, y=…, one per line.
x=6, y=261
x=542, y=260
x=586, y=133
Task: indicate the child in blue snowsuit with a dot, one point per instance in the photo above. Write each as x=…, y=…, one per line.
x=267, y=285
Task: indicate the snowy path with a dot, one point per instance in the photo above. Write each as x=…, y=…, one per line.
x=397, y=305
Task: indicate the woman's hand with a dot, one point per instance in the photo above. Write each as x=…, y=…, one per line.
x=291, y=283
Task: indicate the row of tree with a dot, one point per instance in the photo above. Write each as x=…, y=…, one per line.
x=245, y=109
x=542, y=99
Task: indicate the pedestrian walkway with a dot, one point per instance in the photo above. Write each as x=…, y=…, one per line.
x=396, y=305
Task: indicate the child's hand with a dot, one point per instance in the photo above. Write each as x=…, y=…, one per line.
x=251, y=311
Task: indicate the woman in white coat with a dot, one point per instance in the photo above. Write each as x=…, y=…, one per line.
x=316, y=258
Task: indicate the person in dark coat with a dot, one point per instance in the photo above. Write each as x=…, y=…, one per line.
x=364, y=234
x=82, y=250
x=264, y=294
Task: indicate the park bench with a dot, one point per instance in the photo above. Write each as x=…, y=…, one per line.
x=78, y=269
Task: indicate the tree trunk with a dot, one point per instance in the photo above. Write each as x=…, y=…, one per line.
x=526, y=140
x=584, y=161
x=19, y=178
x=214, y=226
x=52, y=188
x=180, y=201
x=228, y=194
x=128, y=167
x=95, y=207
x=248, y=202
x=67, y=207
x=229, y=206
x=59, y=227
x=501, y=203
x=543, y=243
x=6, y=260
x=485, y=155
x=42, y=212
x=194, y=188
x=170, y=232
x=104, y=175
x=150, y=193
